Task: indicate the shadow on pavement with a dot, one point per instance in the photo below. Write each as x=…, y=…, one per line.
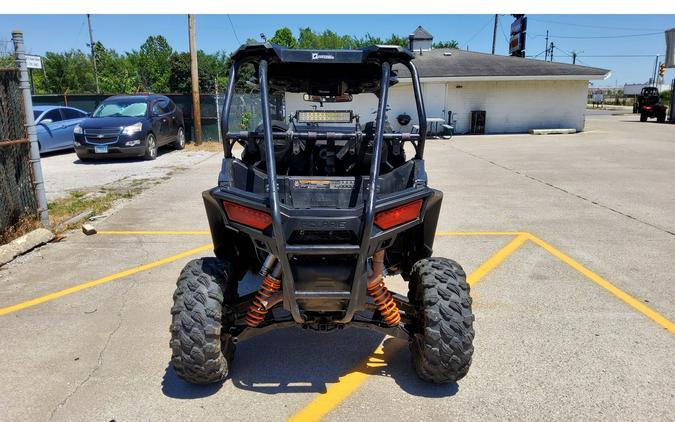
x=176, y=388
x=299, y=361
x=110, y=159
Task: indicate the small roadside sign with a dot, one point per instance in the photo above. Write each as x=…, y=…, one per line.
x=33, y=62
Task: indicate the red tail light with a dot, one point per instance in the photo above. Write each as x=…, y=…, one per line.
x=247, y=216
x=399, y=215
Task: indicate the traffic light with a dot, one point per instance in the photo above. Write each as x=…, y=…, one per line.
x=662, y=70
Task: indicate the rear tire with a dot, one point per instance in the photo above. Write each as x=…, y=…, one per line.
x=442, y=343
x=201, y=346
x=150, y=147
x=179, y=143
x=643, y=117
x=661, y=118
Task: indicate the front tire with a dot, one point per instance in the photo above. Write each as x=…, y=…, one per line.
x=643, y=117
x=150, y=147
x=201, y=346
x=442, y=343
x=179, y=143
x=661, y=118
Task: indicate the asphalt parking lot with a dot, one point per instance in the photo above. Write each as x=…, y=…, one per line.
x=568, y=239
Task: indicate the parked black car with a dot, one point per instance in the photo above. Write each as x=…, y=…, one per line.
x=130, y=126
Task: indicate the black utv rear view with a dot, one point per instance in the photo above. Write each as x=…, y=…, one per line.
x=322, y=207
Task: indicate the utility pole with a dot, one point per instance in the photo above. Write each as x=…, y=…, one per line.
x=574, y=57
x=546, y=45
x=656, y=66
x=552, y=46
x=494, y=33
x=93, y=53
x=194, y=73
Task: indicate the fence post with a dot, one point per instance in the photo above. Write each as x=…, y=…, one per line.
x=24, y=84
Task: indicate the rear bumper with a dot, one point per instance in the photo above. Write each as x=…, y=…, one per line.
x=323, y=247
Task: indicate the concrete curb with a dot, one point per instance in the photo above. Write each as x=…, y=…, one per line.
x=552, y=131
x=24, y=244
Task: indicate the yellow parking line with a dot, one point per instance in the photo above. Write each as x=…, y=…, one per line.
x=600, y=281
x=125, y=232
x=479, y=233
x=347, y=384
x=77, y=288
x=496, y=259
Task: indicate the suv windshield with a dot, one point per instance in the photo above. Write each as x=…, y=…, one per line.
x=122, y=108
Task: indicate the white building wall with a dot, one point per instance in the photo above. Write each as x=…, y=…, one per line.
x=511, y=106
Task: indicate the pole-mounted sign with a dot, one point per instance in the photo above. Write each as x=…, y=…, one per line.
x=33, y=62
x=517, y=41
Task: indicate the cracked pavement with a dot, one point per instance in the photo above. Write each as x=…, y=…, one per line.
x=550, y=345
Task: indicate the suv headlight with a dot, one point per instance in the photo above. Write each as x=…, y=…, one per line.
x=78, y=130
x=133, y=129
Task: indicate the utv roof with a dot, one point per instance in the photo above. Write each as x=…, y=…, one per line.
x=323, y=72
x=254, y=52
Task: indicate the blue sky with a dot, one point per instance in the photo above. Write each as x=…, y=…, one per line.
x=590, y=35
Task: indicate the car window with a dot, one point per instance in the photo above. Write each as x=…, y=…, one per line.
x=122, y=107
x=172, y=106
x=69, y=113
x=52, y=114
x=160, y=107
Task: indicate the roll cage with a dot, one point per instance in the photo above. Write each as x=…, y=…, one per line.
x=325, y=72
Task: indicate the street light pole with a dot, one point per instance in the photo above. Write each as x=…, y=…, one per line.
x=93, y=53
x=194, y=73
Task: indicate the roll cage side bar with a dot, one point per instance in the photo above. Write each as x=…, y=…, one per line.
x=289, y=293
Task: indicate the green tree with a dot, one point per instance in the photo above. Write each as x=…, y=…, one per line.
x=396, y=40
x=308, y=39
x=116, y=73
x=7, y=60
x=446, y=44
x=284, y=37
x=211, y=67
x=153, y=63
x=69, y=72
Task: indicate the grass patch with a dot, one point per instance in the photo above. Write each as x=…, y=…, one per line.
x=78, y=202
x=24, y=226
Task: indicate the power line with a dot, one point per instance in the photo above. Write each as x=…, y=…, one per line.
x=503, y=33
x=587, y=26
x=233, y=31
x=649, y=34
x=479, y=31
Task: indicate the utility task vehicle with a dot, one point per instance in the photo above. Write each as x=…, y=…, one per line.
x=322, y=209
x=650, y=105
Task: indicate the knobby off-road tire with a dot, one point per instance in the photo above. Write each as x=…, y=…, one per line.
x=201, y=347
x=442, y=345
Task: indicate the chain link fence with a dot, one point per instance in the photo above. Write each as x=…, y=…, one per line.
x=18, y=204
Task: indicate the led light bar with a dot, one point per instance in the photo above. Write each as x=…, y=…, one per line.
x=327, y=116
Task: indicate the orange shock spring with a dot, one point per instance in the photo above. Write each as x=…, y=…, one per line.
x=381, y=296
x=259, y=305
